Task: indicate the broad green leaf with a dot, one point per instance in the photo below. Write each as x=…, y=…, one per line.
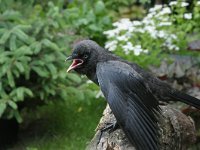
x=16, y=73
x=38, y=63
x=99, y=7
x=2, y=30
x=21, y=35
x=3, y=60
x=24, y=59
x=36, y=46
x=11, y=15
x=10, y=78
x=24, y=27
x=50, y=44
x=50, y=90
x=18, y=116
x=52, y=69
x=40, y=71
x=49, y=58
x=13, y=42
x=20, y=93
x=23, y=50
x=73, y=77
x=12, y=104
x=5, y=37
x=71, y=90
x=2, y=108
x=19, y=66
x=28, y=92
x=27, y=72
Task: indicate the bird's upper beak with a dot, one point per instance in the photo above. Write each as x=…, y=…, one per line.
x=75, y=63
x=69, y=58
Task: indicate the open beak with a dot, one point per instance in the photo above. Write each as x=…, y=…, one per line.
x=75, y=63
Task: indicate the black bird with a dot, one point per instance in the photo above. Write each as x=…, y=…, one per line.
x=132, y=93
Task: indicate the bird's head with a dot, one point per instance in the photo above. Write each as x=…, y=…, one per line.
x=85, y=56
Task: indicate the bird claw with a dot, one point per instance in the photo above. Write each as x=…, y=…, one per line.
x=109, y=126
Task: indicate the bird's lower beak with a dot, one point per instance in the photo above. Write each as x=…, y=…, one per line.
x=75, y=64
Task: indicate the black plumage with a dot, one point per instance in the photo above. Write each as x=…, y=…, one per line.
x=132, y=93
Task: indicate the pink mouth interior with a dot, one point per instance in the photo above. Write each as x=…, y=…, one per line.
x=76, y=62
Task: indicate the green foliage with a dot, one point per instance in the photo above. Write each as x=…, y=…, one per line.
x=89, y=19
x=127, y=8
x=116, y=4
x=34, y=43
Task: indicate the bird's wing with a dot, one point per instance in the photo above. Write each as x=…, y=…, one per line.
x=133, y=105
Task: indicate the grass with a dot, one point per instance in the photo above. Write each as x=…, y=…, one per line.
x=60, y=126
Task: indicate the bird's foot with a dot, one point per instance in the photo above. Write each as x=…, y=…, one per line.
x=109, y=126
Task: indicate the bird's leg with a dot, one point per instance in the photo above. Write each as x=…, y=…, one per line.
x=109, y=126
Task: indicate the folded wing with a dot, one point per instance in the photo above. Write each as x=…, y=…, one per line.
x=132, y=103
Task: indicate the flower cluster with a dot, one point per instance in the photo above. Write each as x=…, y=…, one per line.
x=137, y=36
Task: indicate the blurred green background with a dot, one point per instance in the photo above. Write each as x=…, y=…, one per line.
x=44, y=108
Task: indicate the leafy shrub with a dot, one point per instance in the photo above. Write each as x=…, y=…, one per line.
x=34, y=42
x=165, y=30
x=127, y=8
x=89, y=19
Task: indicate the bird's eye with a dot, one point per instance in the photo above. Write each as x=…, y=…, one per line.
x=85, y=56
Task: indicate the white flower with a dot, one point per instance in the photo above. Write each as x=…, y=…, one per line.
x=173, y=36
x=122, y=38
x=184, y=4
x=168, y=41
x=149, y=28
x=89, y=82
x=112, y=33
x=111, y=45
x=145, y=51
x=123, y=24
x=128, y=46
x=173, y=3
x=137, y=50
x=148, y=21
x=138, y=46
x=151, y=15
x=171, y=46
x=155, y=8
x=177, y=48
x=164, y=19
x=161, y=34
x=165, y=24
x=165, y=10
x=140, y=30
x=188, y=16
x=131, y=29
x=136, y=23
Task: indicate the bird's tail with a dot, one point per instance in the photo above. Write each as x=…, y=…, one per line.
x=179, y=96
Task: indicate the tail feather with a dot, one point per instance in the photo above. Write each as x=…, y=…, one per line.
x=179, y=96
